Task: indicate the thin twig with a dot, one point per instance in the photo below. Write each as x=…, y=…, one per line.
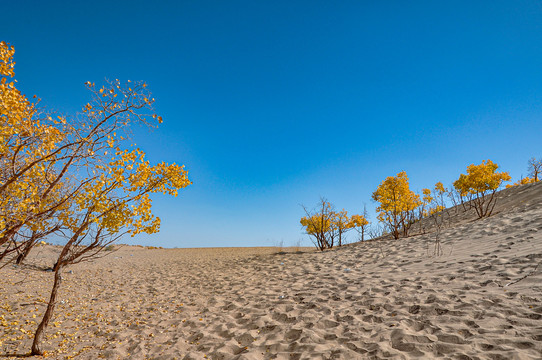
x=524, y=277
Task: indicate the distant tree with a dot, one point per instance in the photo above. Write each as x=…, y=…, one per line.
x=424, y=207
x=522, y=181
x=480, y=184
x=397, y=204
x=427, y=199
x=342, y=223
x=326, y=225
x=535, y=168
x=361, y=224
x=438, y=202
x=318, y=223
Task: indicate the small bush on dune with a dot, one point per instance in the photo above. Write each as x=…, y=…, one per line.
x=480, y=184
x=534, y=168
x=397, y=204
x=317, y=223
x=326, y=225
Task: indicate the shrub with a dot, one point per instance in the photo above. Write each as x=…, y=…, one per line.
x=480, y=185
x=397, y=204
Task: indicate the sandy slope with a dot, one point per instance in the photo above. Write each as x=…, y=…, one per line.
x=374, y=300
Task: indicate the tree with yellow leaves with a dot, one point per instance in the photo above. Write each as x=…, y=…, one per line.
x=342, y=223
x=438, y=201
x=535, y=168
x=318, y=223
x=73, y=176
x=325, y=224
x=479, y=186
x=360, y=223
x=397, y=204
x=426, y=198
x=424, y=209
x=42, y=160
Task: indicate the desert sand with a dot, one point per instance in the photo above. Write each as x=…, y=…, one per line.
x=481, y=299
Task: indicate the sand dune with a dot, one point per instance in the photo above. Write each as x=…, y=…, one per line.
x=482, y=299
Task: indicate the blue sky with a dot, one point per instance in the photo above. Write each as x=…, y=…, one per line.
x=272, y=104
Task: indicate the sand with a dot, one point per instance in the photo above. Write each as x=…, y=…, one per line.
x=482, y=299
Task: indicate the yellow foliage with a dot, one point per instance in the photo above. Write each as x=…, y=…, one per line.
x=6, y=59
x=71, y=173
x=320, y=222
x=436, y=209
x=315, y=224
x=326, y=224
x=480, y=184
x=397, y=203
x=426, y=201
x=129, y=173
x=439, y=188
x=480, y=179
x=24, y=141
x=438, y=202
x=358, y=221
x=341, y=220
x=525, y=180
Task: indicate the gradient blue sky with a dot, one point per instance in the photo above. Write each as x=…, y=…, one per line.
x=272, y=104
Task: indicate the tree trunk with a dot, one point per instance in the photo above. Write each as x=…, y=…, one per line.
x=25, y=252
x=36, y=350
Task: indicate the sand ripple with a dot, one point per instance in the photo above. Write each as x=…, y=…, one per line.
x=364, y=301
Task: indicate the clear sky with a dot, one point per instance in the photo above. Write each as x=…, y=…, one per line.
x=272, y=104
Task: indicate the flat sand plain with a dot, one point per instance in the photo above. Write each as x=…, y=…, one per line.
x=481, y=299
